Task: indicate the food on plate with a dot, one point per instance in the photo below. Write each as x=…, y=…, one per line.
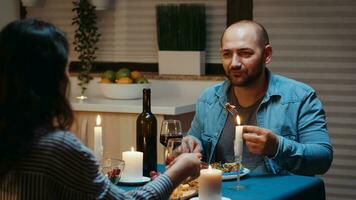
x=193, y=184
x=114, y=175
x=226, y=167
x=185, y=190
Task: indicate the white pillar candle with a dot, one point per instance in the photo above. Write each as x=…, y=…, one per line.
x=238, y=146
x=98, y=139
x=210, y=184
x=133, y=165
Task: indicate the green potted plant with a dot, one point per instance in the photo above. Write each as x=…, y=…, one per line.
x=181, y=34
x=86, y=37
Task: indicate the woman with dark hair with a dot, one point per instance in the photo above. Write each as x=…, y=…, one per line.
x=39, y=158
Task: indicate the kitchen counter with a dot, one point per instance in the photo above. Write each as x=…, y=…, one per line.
x=169, y=97
x=159, y=105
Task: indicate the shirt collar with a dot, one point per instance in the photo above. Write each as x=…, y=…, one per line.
x=272, y=89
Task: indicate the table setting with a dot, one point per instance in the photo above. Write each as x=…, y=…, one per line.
x=216, y=180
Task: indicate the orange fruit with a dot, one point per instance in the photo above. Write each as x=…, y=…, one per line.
x=124, y=80
x=105, y=80
x=135, y=75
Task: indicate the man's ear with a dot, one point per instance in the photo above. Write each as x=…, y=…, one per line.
x=268, y=53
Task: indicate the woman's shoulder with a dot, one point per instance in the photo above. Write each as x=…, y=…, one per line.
x=63, y=145
x=64, y=152
x=60, y=135
x=59, y=139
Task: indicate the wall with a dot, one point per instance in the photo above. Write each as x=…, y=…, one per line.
x=128, y=28
x=315, y=42
x=9, y=11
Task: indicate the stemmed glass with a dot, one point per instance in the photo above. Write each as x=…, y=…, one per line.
x=238, y=148
x=170, y=128
x=172, y=151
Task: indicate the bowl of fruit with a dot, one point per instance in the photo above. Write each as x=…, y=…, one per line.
x=112, y=168
x=123, y=84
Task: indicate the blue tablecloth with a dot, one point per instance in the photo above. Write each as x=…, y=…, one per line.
x=272, y=187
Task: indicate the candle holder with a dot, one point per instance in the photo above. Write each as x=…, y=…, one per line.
x=238, y=160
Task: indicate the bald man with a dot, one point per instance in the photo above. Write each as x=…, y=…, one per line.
x=284, y=122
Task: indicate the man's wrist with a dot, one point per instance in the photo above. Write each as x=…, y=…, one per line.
x=275, y=153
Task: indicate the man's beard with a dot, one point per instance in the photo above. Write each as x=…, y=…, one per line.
x=243, y=81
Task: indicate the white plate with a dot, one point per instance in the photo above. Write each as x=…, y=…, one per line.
x=186, y=195
x=143, y=180
x=231, y=175
x=222, y=198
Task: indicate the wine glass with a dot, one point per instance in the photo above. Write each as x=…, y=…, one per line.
x=170, y=128
x=172, y=150
x=238, y=148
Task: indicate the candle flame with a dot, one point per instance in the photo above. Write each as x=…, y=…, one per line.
x=132, y=149
x=98, y=120
x=238, y=120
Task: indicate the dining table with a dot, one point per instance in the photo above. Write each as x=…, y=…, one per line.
x=269, y=187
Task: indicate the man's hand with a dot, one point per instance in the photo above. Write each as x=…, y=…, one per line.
x=190, y=145
x=260, y=141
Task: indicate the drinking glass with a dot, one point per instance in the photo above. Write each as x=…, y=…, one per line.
x=170, y=128
x=238, y=148
x=172, y=150
x=112, y=168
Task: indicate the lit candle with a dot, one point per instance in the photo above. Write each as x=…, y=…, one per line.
x=133, y=165
x=238, y=138
x=98, y=140
x=210, y=184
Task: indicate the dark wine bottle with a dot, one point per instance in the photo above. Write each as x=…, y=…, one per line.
x=146, y=135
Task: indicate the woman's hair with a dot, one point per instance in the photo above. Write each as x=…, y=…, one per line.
x=33, y=86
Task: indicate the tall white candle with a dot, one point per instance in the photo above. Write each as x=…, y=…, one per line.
x=210, y=184
x=133, y=165
x=238, y=146
x=98, y=139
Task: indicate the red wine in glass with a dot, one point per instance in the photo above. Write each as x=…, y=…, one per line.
x=164, y=138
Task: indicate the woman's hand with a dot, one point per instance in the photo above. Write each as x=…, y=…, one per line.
x=184, y=166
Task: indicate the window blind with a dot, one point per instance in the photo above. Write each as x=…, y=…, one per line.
x=128, y=29
x=314, y=41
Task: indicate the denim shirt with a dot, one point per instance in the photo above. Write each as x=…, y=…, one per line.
x=289, y=108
